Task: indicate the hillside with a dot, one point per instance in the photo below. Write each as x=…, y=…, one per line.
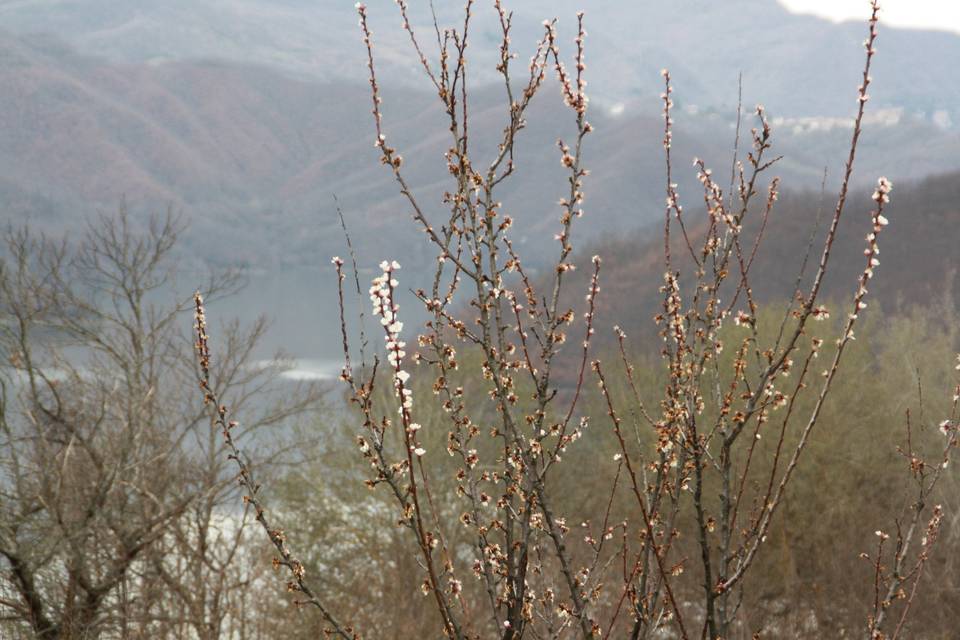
x=918, y=257
x=252, y=157
x=797, y=65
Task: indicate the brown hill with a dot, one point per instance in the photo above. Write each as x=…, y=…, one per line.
x=252, y=157
x=918, y=260
x=797, y=65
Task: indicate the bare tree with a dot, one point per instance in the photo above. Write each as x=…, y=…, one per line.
x=112, y=479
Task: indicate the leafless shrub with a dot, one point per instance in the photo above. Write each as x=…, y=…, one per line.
x=118, y=513
x=898, y=578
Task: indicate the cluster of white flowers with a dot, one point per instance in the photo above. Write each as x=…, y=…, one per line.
x=455, y=586
x=667, y=105
x=881, y=196
x=672, y=305
x=572, y=89
x=384, y=307
x=716, y=209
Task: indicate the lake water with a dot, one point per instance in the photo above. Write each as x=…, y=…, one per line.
x=303, y=310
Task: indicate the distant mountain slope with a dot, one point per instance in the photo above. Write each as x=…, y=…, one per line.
x=918, y=256
x=797, y=65
x=252, y=157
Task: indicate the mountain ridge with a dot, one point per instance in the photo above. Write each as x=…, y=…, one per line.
x=796, y=64
x=252, y=157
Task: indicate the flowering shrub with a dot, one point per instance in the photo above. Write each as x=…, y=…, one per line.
x=667, y=547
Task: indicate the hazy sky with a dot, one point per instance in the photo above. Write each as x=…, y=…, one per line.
x=931, y=14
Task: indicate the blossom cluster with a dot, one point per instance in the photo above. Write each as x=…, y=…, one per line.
x=386, y=308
